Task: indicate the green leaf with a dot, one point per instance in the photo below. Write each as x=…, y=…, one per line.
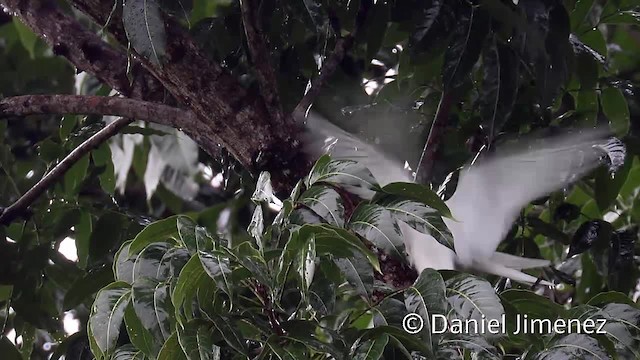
x=576, y=346
x=418, y=193
x=465, y=47
x=74, y=177
x=152, y=304
x=49, y=151
x=339, y=242
x=472, y=297
x=615, y=107
x=499, y=86
x=149, y=262
x=587, y=106
x=196, y=340
x=229, y=331
x=554, y=67
x=86, y=286
x=604, y=298
x=27, y=37
x=325, y=202
x=83, y=230
x=622, y=17
x=5, y=292
x=28, y=339
x=171, y=349
x=376, y=22
x=123, y=264
x=420, y=217
x=192, y=277
x=535, y=306
x=218, y=268
x=427, y=296
x=107, y=233
x=579, y=15
x=623, y=328
x=8, y=350
x=144, y=25
x=477, y=346
x=412, y=342
x=160, y=230
x=281, y=353
x=187, y=231
x=608, y=185
x=102, y=158
x=376, y=224
x=67, y=125
x=372, y=349
x=139, y=335
x=128, y=352
x=107, y=314
x=350, y=175
x=358, y=272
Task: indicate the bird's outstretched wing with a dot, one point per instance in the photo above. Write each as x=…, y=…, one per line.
x=491, y=193
x=489, y=196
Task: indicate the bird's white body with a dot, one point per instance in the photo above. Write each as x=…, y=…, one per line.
x=489, y=196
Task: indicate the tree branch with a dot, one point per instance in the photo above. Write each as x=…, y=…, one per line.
x=84, y=49
x=95, y=105
x=260, y=58
x=237, y=116
x=23, y=203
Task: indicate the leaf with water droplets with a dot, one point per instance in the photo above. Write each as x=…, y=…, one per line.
x=145, y=28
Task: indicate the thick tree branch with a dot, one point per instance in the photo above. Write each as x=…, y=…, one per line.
x=239, y=117
x=84, y=49
x=22, y=204
x=95, y=105
x=260, y=58
x=89, y=53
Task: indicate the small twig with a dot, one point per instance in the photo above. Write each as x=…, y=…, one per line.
x=260, y=58
x=93, y=105
x=261, y=292
x=428, y=156
x=23, y=203
x=329, y=67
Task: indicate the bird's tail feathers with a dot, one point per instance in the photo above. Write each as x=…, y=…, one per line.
x=493, y=268
x=518, y=262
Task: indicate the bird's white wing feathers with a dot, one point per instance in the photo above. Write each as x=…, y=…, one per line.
x=324, y=137
x=489, y=196
x=491, y=193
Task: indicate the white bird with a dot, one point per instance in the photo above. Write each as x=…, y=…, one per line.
x=489, y=196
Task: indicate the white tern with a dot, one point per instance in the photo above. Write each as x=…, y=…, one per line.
x=489, y=196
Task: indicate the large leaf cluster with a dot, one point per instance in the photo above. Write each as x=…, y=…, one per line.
x=304, y=286
x=301, y=287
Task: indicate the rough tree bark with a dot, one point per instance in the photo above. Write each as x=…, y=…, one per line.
x=227, y=113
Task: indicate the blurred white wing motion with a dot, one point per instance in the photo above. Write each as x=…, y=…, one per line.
x=489, y=196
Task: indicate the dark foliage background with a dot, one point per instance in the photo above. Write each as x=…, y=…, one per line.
x=182, y=255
